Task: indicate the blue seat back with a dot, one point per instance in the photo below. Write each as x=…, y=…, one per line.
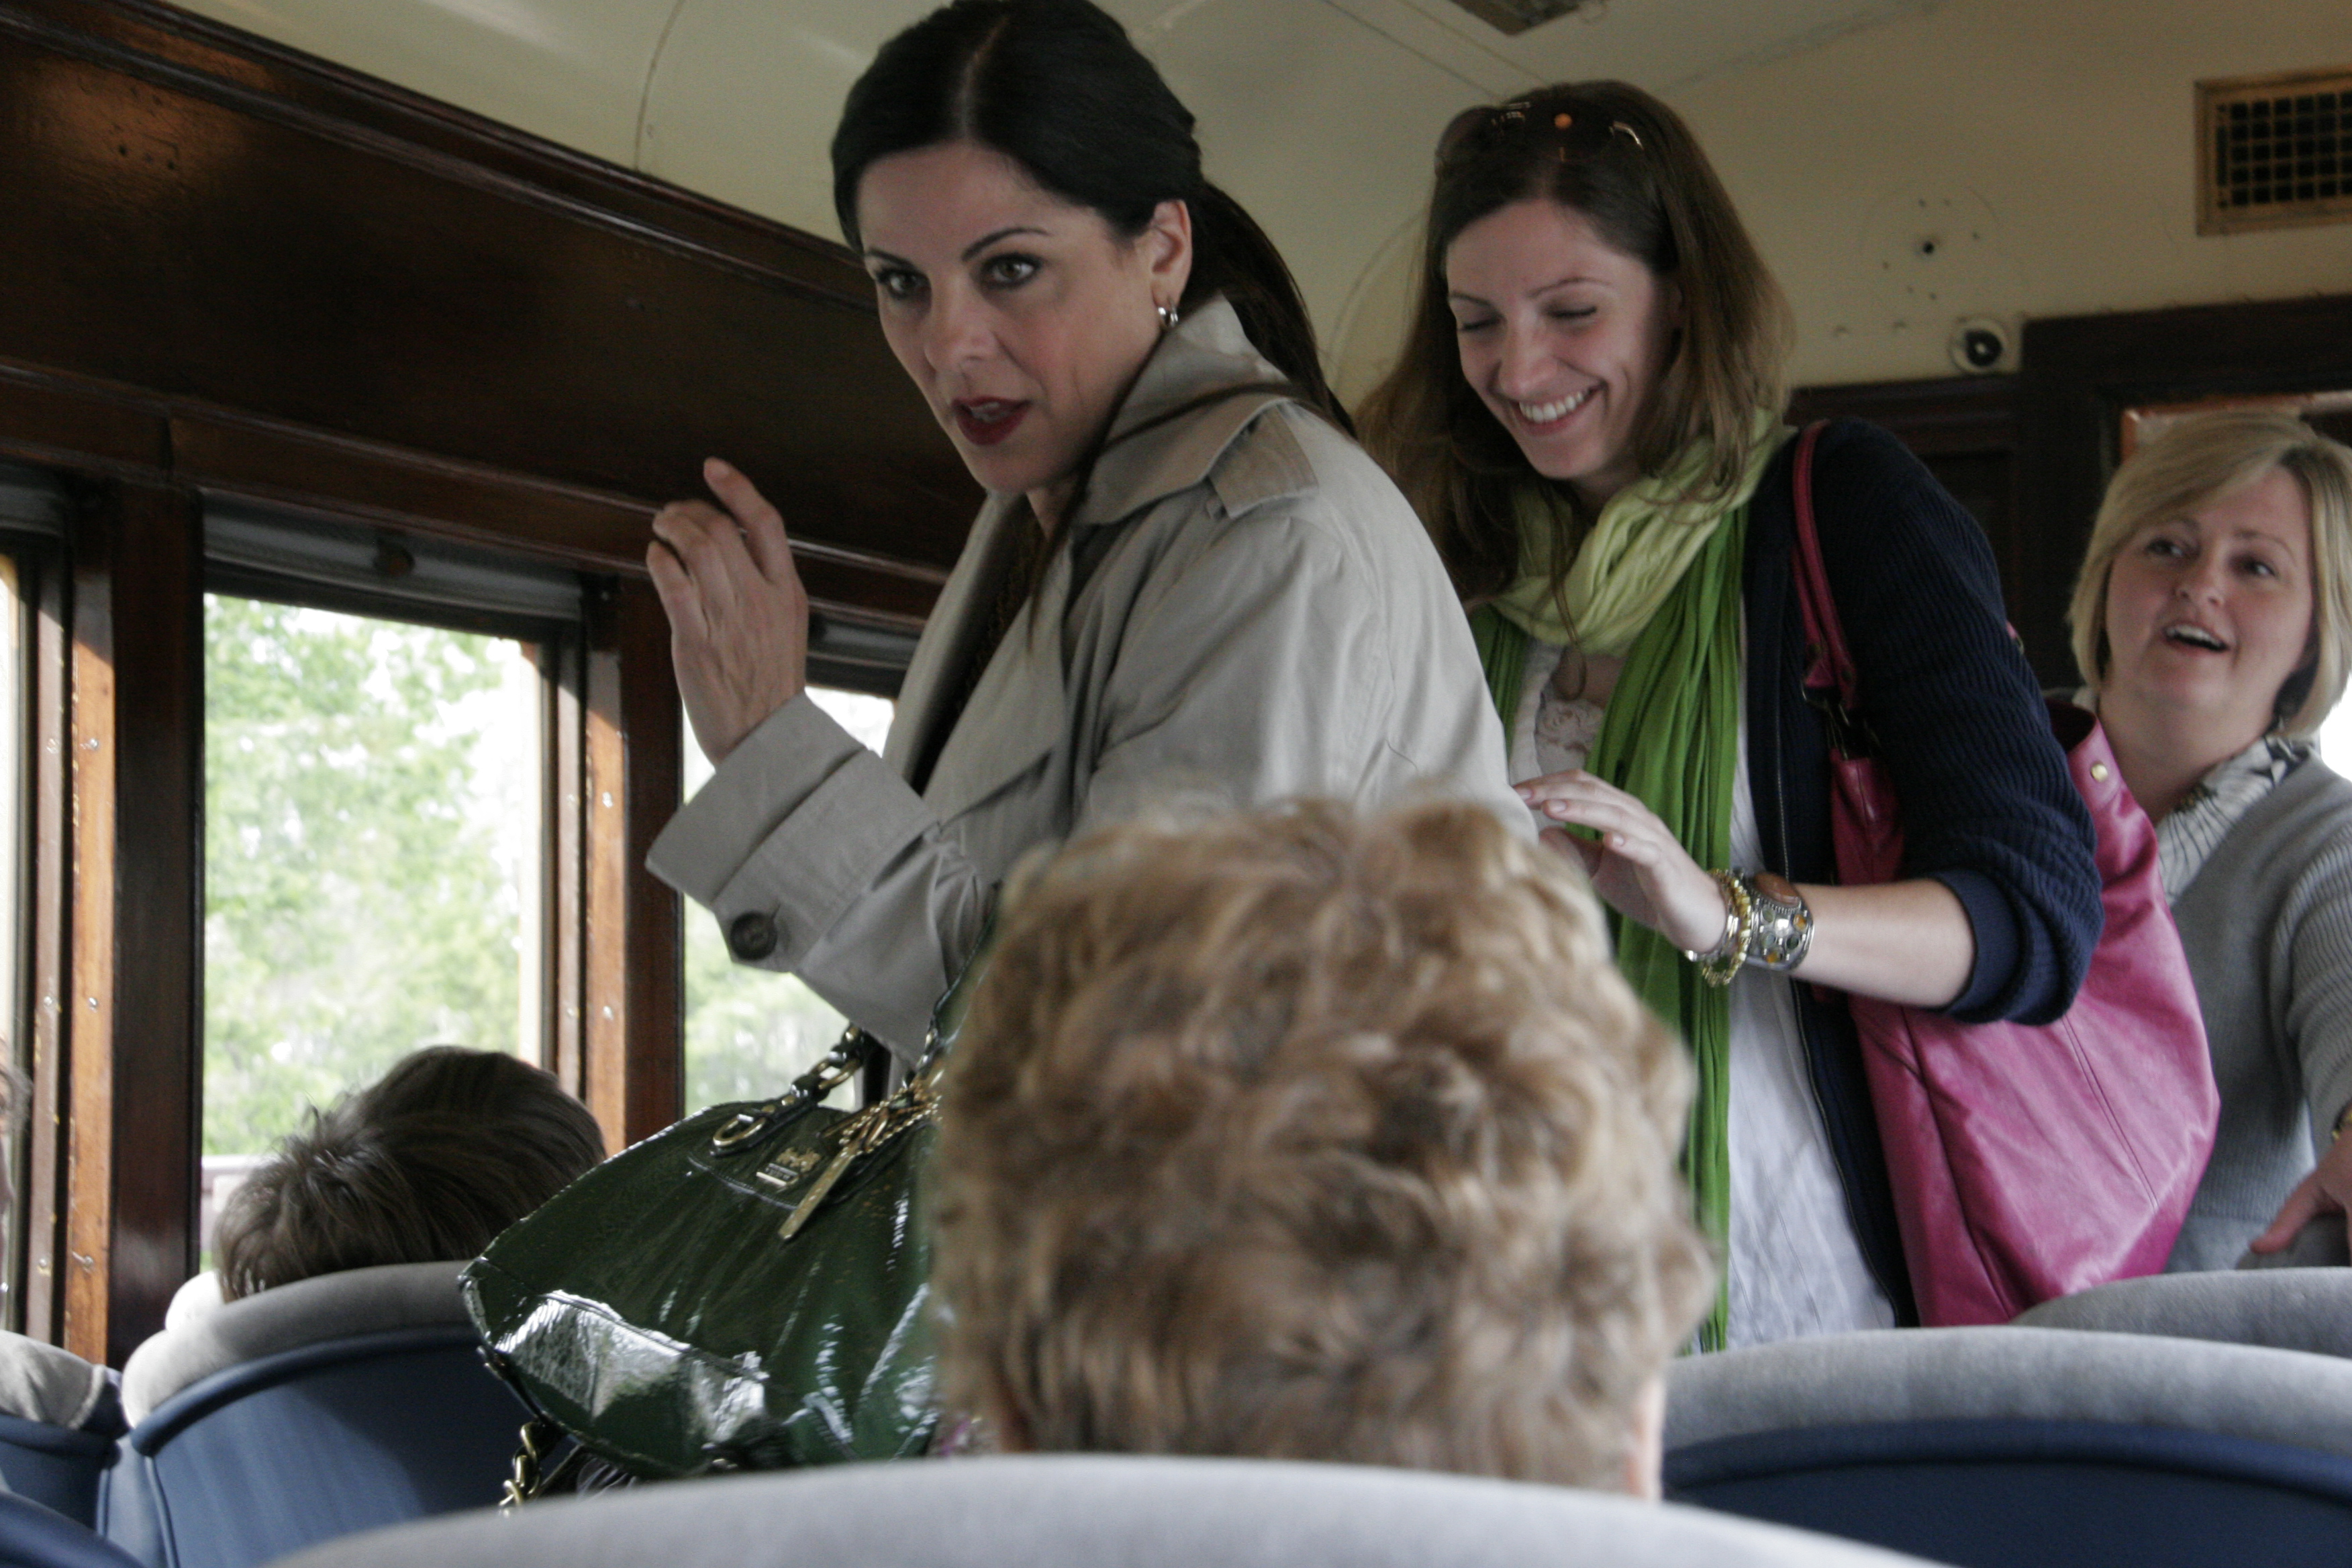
x=277, y=1454
x=32, y=1536
x=57, y=1467
x=2009, y=1493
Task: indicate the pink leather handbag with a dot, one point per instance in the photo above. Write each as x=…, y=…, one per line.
x=2028, y=1161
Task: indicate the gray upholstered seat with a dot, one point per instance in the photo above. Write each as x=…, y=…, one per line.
x=2013, y=1373
x=307, y=1312
x=2286, y=1308
x=1093, y=1511
x=2026, y=1447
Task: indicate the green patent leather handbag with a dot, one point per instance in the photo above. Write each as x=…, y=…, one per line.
x=743, y=1290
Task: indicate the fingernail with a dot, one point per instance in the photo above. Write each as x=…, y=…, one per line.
x=717, y=466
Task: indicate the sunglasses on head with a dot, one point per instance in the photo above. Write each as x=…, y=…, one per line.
x=1554, y=118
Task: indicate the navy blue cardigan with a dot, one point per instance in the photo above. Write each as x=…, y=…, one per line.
x=1988, y=806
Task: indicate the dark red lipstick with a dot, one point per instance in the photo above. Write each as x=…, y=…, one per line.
x=985, y=421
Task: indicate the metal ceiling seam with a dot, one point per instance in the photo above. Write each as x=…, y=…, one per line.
x=645, y=91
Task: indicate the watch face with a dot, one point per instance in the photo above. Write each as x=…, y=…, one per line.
x=1777, y=888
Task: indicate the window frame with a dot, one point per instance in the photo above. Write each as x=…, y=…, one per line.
x=548, y=347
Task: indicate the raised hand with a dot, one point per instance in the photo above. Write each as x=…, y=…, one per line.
x=739, y=623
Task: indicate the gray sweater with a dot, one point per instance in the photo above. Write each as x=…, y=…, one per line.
x=2268, y=929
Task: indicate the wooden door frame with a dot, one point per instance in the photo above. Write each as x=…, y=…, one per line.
x=2080, y=374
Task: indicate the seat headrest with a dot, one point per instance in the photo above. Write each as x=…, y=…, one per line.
x=327, y=1307
x=2286, y=1308
x=1084, y=1510
x=2013, y=1373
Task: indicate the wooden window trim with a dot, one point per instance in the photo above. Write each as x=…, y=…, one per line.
x=132, y=1047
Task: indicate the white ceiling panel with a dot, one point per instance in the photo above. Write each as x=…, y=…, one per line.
x=1656, y=44
x=743, y=101
x=570, y=70
x=1321, y=125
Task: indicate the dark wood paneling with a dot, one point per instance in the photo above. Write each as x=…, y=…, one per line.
x=44, y=419
x=198, y=218
x=138, y=723
x=634, y=1053
x=1965, y=430
x=2081, y=373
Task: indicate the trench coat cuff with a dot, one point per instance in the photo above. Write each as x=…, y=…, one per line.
x=798, y=821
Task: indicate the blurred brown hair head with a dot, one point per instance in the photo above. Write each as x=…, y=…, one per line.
x=1310, y=1135
x=429, y=1162
x=1630, y=166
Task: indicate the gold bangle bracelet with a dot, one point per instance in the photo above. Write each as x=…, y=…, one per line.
x=1717, y=968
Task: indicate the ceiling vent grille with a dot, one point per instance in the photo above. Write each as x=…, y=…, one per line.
x=2274, y=152
x=1518, y=16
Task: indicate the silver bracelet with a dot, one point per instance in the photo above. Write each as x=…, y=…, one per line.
x=1781, y=933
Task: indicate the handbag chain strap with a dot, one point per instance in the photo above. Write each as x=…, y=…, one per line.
x=836, y=1067
x=848, y=1059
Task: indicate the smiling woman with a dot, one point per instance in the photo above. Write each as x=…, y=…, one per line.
x=1587, y=413
x=2213, y=625
x=1187, y=579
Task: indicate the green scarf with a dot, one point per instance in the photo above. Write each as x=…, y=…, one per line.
x=1682, y=678
x=1637, y=551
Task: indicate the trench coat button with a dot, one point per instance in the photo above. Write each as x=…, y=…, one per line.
x=752, y=936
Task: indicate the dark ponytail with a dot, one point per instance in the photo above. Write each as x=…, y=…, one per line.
x=1056, y=86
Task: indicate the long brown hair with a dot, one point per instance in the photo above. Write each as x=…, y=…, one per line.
x=1628, y=164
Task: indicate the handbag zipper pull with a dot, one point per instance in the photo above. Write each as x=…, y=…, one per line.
x=853, y=1144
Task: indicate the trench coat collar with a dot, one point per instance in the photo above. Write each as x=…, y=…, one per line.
x=1142, y=462
x=1020, y=713
x=952, y=633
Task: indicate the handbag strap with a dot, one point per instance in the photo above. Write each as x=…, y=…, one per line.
x=1830, y=680
x=855, y=1049
x=1829, y=666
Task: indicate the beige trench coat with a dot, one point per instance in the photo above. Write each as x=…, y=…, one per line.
x=1248, y=608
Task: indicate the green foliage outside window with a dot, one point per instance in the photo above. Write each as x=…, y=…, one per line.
x=750, y=1032
x=357, y=900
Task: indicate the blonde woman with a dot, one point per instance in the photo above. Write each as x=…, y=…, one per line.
x=1367, y=1155
x=2212, y=622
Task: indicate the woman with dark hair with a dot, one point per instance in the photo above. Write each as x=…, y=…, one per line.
x=1186, y=576
x=426, y=1164
x=1586, y=414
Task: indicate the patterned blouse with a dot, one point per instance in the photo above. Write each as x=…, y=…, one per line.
x=2191, y=830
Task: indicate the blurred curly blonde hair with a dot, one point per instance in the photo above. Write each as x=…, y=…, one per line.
x=1310, y=1135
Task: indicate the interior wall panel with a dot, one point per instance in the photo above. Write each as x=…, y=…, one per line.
x=214, y=221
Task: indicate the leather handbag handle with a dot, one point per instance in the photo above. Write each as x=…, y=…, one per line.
x=1829, y=664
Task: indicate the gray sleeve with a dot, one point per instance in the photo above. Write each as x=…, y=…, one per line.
x=2317, y=939
x=869, y=901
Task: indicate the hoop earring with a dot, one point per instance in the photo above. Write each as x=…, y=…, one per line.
x=1168, y=317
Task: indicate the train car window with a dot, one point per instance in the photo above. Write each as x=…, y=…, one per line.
x=750, y=1032
x=375, y=833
